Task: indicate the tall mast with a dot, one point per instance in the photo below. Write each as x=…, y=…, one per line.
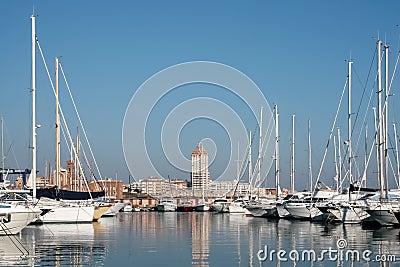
x=250, y=164
x=309, y=158
x=376, y=141
x=33, y=90
x=238, y=164
x=277, y=152
x=78, y=177
x=335, y=163
x=292, y=157
x=260, y=148
x=386, y=137
x=350, y=152
x=58, y=142
x=340, y=161
x=2, y=145
x=380, y=124
x=397, y=154
x=364, y=178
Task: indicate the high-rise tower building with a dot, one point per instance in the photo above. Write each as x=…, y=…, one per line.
x=200, y=174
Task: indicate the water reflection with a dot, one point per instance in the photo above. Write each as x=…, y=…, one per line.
x=53, y=245
x=303, y=236
x=197, y=239
x=200, y=239
x=63, y=244
x=14, y=252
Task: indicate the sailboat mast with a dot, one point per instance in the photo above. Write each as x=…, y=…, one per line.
x=33, y=90
x=340, y=161
x=250, y=164
x=386, y=138
x=260, y=148
x=397, y=153
x=335, y=163
x=349, y=126
x=380, y=124
x=2, y=145
x=292, y=157
x=376, y=141
x=58, y=142
x=364, y=178
x=309, y=157
x=78, y=176
x=238, y=164
x=277, y=152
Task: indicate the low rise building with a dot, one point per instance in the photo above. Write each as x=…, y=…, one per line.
x=112, y=188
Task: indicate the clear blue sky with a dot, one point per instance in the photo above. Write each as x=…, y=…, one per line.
x=295, y=52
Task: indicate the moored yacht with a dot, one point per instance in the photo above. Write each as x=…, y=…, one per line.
x=220, y=205
x=202, y=206
x=185, y=206
x=54, y=211
x=15, y=217
x=385, y=211
x=297, y=205
x=304, y=207
x=262, y=208
x=166, y=205
x=237, y=206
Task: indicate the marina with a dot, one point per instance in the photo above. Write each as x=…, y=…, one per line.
x=216, y=176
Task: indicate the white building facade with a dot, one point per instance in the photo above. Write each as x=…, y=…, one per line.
x=200, y=175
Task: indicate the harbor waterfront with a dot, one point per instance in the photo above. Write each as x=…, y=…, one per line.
x=200, y=239
x=187, y=163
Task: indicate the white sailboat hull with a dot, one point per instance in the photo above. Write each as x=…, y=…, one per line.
x=220, y=207
x=68, y=214
x=282, y=211
x=263, y=210
x=202, y=207
x=236, y=208
x=257, y=211
x=298, y=210
x=384, y=214
x=349, y=215
x=316, y=215
x=14, y=218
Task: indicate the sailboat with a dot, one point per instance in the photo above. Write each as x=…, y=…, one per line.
x=347, y=207
x=15, y=217
x=238, y=206
x=52, y=211
x=260, y=207
x=386, y=210
x=306, y=205
x=73, y=190
x=220, y=205
x=202, y=206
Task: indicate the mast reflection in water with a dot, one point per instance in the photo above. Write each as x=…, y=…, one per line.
x=191, y=239
x=54, y=245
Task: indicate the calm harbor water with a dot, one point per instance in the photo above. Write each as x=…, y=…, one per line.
x=199, y=239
